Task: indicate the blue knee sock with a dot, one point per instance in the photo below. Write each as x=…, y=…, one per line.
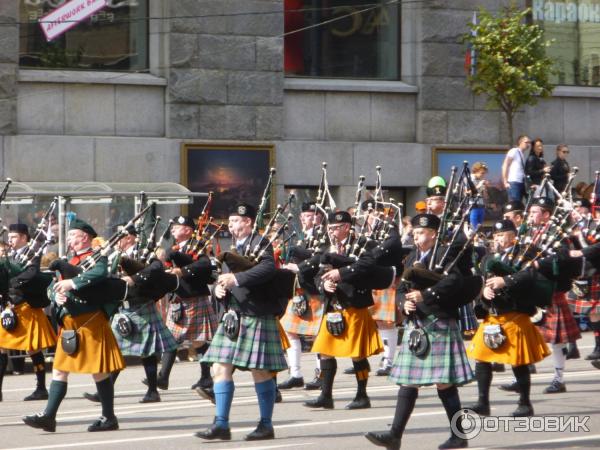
x=265, y=392
x=223, y=397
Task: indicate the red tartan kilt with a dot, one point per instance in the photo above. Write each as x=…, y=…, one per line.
x=559, y=325
x=384, y=308
x=309, y=323
x=584, y=306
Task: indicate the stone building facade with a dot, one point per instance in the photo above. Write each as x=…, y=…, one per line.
x=216, y=76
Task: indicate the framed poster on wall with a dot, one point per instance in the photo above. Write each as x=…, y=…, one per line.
x=443, y=158
x=234, y=173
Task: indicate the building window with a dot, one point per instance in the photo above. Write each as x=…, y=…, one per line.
x=575, y=27
x=359, y=45
x=113, y=39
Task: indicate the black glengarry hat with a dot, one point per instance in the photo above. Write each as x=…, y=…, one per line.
x=543, y=202
x=78, y=224
x=339, y=217
x=18, y=228
x=514, y=206
x=425, y=221
x=504, y=225
x=308, y=207
x=243, y=210
x=184, y=220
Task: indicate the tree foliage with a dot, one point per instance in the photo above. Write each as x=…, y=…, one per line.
x=512, y=68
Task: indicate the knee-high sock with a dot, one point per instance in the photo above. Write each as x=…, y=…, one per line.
x=56, y=393
x=318, y=361
x=451, y=401
x=167, y=360
x=204, y=367
x=265, y=391
x=523, y=377
x=114, y=376
x=407, y=397
x=151, y=369
x=106, y=392
x=559, y=358
x=361, y=371
x=223, y=397
x=328, y=370
x=294, y=353
x=390, y=342
x=3, y=364
x=595, y=326
x=483, y=373
x=39, y=368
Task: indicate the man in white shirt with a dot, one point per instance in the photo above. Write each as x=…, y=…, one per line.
x=513, y=169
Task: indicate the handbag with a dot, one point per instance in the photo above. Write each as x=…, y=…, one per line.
x=299, y=305
x=125, y=326
x=9, y=319
x=176, y=312
x=69, y=341
x=231, y=324
x=335, y=323
x=493, y=336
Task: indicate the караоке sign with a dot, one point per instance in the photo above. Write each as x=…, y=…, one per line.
x=69, y=15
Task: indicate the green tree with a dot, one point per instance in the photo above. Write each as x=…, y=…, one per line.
x=511, y=65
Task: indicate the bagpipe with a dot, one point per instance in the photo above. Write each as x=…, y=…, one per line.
x=108, y=291
x=280, y=287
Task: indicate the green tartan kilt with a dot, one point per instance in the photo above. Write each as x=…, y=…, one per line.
x=446, y=361
x=149, y=336
x=258, y=346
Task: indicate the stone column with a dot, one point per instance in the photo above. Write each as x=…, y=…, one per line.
x=9, y=60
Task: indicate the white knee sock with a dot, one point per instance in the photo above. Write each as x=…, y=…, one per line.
x=294, y=354
x=559, y=358
x=390, y=340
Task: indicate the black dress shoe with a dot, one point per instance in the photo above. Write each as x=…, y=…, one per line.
x=384, y=371
x=349, y=370
x=151, y=397
x=104, y=424
x=314, y=384
x=278, y=397
x=497, y=367
x=523, y=411
x=556, y=387
x=42, y=421
x=215, y=432
x=454, y=442
x=594, y=355
x=291, y=382
x=203, y=382
x=573, y=352
x=92, y=397
x=359, y=403
x=206, y=394
x=261, y=433
x=596, y=364
x=160, y=383
x=480, y=408
x=510, y=387
x=38, y=394
x=384, y=439
x=320, y=402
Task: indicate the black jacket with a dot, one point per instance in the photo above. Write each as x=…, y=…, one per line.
x=534, y=168
x=559, y=172
x=252, y=291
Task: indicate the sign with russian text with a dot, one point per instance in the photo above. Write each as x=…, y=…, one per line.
x=69, y=15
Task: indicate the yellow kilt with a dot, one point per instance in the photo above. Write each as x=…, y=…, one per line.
x=97, y=352
x=524, y=343
x=32, y=333
x=360, y=338
x=285, y=342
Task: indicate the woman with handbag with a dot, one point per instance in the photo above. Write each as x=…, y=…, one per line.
x=506, y=334
x=86, y=344
x=432, y=349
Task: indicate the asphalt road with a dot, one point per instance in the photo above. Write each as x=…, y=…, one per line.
x=172, y=423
